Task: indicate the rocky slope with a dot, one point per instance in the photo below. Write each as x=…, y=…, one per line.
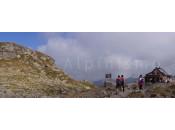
x=28, y=73
x=158, y=90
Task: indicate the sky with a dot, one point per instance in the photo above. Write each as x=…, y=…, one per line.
x=90, y=55
x=29, y=39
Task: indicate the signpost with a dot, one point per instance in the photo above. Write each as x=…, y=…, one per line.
x=108, y=80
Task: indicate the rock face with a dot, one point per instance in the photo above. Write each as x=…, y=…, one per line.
x=28, y=73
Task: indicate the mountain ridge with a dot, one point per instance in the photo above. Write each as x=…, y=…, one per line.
x=28, y=73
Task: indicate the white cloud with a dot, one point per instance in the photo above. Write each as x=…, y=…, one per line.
x=91, y=55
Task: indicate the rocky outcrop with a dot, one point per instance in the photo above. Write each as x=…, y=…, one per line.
x=28, y=73
x=10, y=50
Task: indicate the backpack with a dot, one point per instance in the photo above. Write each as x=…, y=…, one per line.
x=118, y=80
x=141, y=81
x=122, y=80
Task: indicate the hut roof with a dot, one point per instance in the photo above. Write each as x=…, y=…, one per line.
x=161, y=70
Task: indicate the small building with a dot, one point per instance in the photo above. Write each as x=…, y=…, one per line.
x=157, y=75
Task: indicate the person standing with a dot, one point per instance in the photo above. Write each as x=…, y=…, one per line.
x=118, y=83
x=122, y=80
x=141, y=82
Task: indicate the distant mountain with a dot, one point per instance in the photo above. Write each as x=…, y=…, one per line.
x=129, y=80
x=99, y=83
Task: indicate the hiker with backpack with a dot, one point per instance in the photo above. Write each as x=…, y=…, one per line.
x=122, y=80
x=118, y=82
x=140, y=82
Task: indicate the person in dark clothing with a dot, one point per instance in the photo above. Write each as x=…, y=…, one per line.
x=118, y=83
x=122, y=80
x=141, y=82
